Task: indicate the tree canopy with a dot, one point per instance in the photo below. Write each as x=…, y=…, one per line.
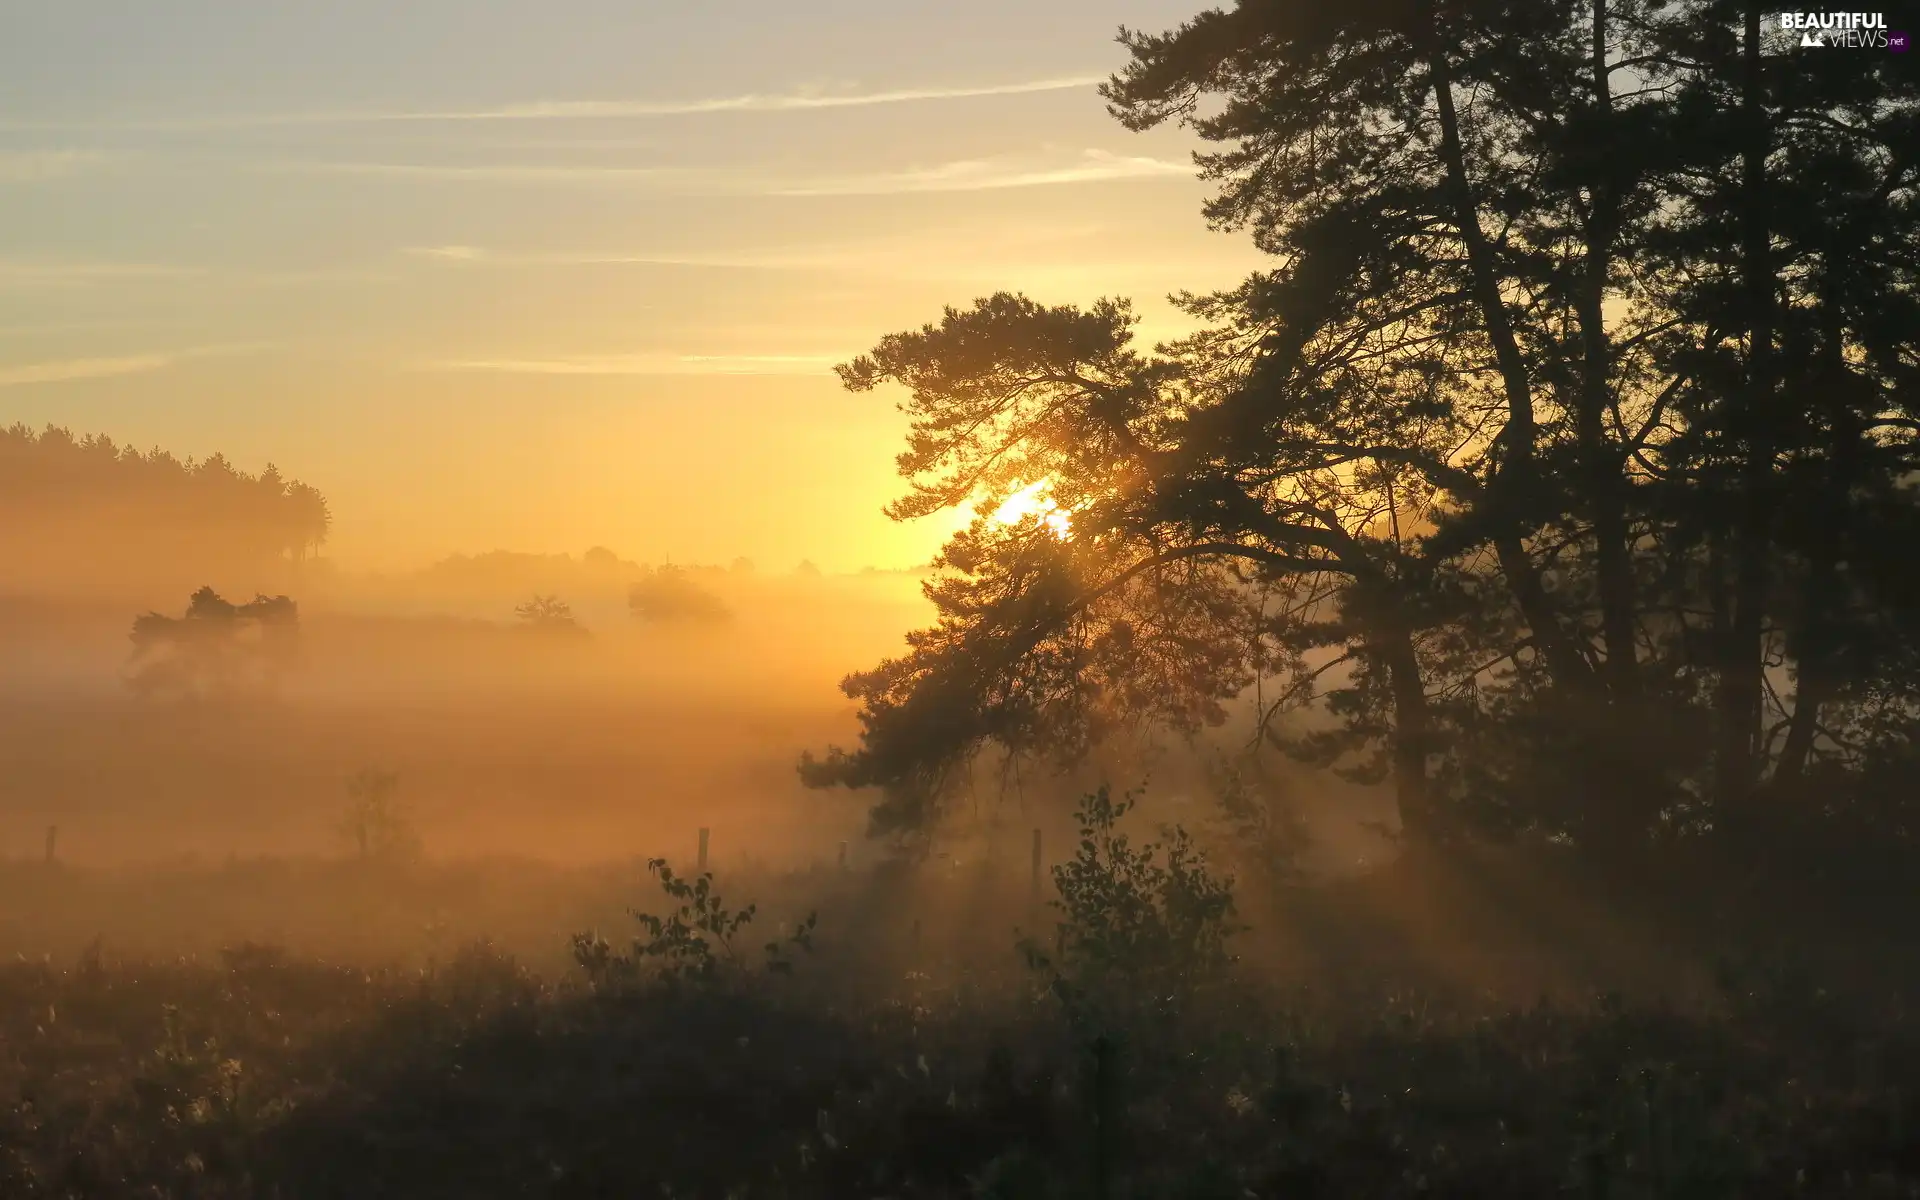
x=86, y=511
x=548, y=615
x=1564, y=456
x=215, y=649
x=673, y=595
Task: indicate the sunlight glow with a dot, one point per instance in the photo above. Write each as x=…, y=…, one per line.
x=1033, y=501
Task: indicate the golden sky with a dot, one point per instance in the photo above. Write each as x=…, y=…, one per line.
x=540, y=276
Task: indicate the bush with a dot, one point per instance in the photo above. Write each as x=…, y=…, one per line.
x=694, y=941
x=1144, y=928
x=670, y=595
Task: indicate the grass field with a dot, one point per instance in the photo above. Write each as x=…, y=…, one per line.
x=911, y=1054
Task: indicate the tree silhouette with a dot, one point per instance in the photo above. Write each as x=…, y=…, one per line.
x=216, y=648
x=375, y=824
x=1565, y=457
x=85, y=510
x=670, y=595
x=548, y=614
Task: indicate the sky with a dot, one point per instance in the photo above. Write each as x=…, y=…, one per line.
x=547, y=274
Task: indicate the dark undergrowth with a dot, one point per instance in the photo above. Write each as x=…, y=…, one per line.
x=268, y=1078
x=1128, y=1055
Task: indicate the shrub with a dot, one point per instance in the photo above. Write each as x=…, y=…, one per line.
x=1144, y=927
x=670, y=595
x=694, y=941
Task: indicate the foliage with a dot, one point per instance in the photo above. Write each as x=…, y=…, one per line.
x=694, y=941
x=671, y=595
x=215, y=649
x=1558, y=465
x=375, y=824
x=548, y=615
x=1144, y=928
x=283, y=1076
x=86, y=511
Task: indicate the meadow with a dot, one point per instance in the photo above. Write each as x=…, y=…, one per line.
x=1505, y=1027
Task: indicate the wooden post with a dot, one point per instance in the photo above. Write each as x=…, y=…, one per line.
x=1034, y=897
x=53, y=836
x=703, y=848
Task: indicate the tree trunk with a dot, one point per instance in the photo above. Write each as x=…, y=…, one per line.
x=1600, y=459
x=1517, y=473
x=1742, y=666
x=1412, y=728
x=1813, y=645
x=1815, y=683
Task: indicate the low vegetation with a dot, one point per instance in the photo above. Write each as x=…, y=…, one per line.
x=1125, y=1053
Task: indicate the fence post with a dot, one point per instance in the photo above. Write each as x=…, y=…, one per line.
x=703, y=848
x=53, y=836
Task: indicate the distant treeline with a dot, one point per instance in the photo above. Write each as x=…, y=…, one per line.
x=83, y=513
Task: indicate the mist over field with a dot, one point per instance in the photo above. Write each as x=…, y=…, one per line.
x=611, y=745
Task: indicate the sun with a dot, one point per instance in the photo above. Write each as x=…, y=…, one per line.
x=1033, y=501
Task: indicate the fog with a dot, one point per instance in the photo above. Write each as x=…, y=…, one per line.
x=536, y=764
x=616, y=742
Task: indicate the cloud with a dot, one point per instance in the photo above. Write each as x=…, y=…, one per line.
x=29, y=275
x=67, y=370
x=575, y=110
x=18, y=273
x=42, y=166
x=1022, y=239
x=495, y=172
x=477, y=256
x=750, y=102
x=305, y=276
x=967, y=175
x=449, y=253
x=37, y=329
x=1055, y=256
x=976, y=175
x=652, y=364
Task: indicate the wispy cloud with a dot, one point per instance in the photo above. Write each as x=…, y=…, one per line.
x=651, y=364
x=575, y=110
x=449, y=253
x=975, y=175
x=16, y=273
x=41, y=166
x=967, y=175
x=34, y=275
x=1056, y=255
x=502, y=172
x=548, y=110
x=69, y=370
x=477, y=256
x=42, y=329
